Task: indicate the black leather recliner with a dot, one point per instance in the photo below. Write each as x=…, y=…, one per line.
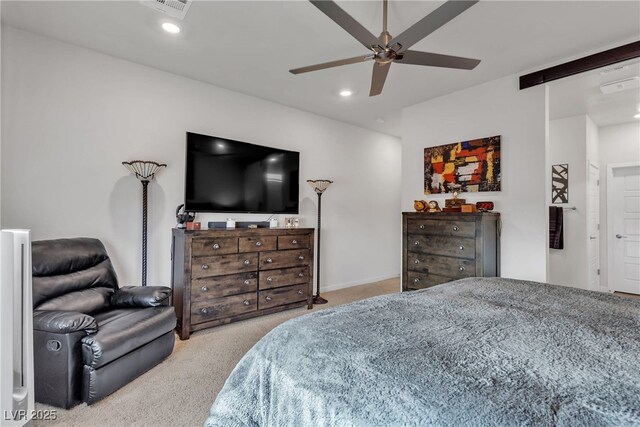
x=90, y=336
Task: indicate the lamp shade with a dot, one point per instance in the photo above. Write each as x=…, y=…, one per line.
x=144, y=170
x=319, y=185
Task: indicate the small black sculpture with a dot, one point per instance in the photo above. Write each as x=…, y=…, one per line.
x=184, y=217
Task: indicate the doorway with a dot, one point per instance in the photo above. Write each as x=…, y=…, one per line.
x=623, y=214
x=590, y=130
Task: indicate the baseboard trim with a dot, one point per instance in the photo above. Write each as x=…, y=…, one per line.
x=336, y=286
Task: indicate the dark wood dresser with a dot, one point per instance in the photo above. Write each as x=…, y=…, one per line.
x=221, y=276
x=440, y=247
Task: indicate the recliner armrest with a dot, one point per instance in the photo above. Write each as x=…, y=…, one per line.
x=141, y=296
x=63, y=322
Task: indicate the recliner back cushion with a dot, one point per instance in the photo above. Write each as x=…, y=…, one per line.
x=66, y=266
x=88, y=301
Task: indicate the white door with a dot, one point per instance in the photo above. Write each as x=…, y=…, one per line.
x=623, y=212
x=593, y=219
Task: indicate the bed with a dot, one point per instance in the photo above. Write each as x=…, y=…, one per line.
x=474, y=352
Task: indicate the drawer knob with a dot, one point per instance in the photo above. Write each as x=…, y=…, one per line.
x=300, y=292
x=461, y=247
x=269, y=279
x=246, y=282
x=301, y=257
x=416, y=261
x=455, y=228
x=461, y=268
x=417, y=243
x=294, y=242
x=247, y=262
x=216, y=246
x=268, y=261
x=246, y=302
x=204, y=311
x=205, y=267
x=421, y=226
x=268, y=298
x=204, y=289
x=300, y=274
x=416, y=280
x=258, y=243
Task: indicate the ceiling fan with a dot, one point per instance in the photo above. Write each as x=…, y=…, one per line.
x=386, y=49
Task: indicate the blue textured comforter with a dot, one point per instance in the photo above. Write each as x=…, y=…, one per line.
x=475, y=352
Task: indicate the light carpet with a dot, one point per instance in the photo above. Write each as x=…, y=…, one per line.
x=180, y=391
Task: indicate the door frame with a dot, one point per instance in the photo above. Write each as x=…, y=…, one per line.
x=610, y=168
x=591, y=163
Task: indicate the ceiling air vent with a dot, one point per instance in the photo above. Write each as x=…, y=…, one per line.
x=174, y=8
x=620, y=85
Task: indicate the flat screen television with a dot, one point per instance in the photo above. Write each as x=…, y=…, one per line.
x=223, y=175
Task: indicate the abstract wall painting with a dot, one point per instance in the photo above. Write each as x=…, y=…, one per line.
x=467, y=166
x=560, y=183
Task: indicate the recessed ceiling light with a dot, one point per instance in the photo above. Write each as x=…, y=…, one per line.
x=346, y=93
x=170, y=27
x=380, y=120
x=637, y=116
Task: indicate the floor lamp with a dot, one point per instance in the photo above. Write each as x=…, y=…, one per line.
x=319, y=186
x=145, y=171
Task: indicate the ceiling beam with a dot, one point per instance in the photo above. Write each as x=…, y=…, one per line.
x=591, y=62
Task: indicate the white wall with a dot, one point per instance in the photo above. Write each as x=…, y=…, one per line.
x=1, y=26
x=73, y=115
x=494, y=108
x=568, y=145
x=593, y=144
x=618, y=144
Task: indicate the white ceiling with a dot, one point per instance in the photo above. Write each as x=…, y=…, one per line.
x=249, y=46
x=581, y=94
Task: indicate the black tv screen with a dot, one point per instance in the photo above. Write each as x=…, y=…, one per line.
x=224, y=175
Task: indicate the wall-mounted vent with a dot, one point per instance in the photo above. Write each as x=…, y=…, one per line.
x=620, y=85
x=174, y=8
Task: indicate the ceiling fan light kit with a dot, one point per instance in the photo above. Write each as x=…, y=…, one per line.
x=386, y=49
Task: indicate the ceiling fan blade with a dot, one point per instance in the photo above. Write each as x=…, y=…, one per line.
x=437, y=60
x=431, y=22
x=331, y=64
x=380, y=72
x=350, y=25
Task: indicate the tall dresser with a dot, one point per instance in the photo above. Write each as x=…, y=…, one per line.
x=221, y=276
x=440, y=247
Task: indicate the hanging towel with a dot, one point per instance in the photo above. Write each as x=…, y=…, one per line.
x=556, y=240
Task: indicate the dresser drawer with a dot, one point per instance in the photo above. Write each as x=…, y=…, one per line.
x=293, y=242
x=282, y=296
x=460, y=247
x=214, y=246
x=283, y=277
x=283, y=259
x=441, y=265
x=222, y=286
x=257, y=244
x=418, y=280
x=223, y=307
x=442, y=227
x=224, y=264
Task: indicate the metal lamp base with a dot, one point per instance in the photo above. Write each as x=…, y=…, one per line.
x=319, y=300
